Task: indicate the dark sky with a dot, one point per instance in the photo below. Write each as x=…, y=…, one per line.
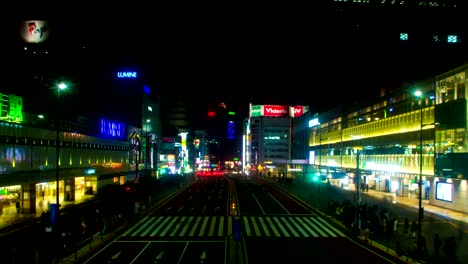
x=259, y=54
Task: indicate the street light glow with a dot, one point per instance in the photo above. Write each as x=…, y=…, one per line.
x=62, y=86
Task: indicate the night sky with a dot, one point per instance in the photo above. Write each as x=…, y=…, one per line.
x=263, y=55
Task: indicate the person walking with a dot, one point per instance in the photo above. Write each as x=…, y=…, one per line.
x=18, y=206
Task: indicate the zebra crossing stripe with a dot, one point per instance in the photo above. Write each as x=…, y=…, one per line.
x=152, y=226
x=298, y=227
x=247, y=227
x=186, y=226
x=265, y=229
x=212, y=226
x=255, y=226
x=289, y=227
x=135, y=226
x=332, y=227
x=203, y=227
x=155, y=231
x=194, y=228
x=221, y=226
x=283, y=230
x=315, y=227
x=324, y=227
x=141, y=228
x=307, y=227
x=179, y=224
x=277, y=234
x=163, y=233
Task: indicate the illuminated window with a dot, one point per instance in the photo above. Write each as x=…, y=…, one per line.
x=452, y=39
x=403, y=36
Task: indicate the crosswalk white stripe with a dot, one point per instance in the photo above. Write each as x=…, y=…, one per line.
x=186, y=226
x=163, y=233
x=290, y=227
x=247, y=227
x=331, y=227
x=265, y=229
x=311, y=231
x=212, y=226
x=221, y=226
x=141, y=228
x=155, y=231
x=315, y=227
x=257, y=231
x=194, y=228
x=277, y=234
x=179, y=224
x=324, y=227
x=283, y=230
x=258, y=226
x=159, y=219
x=136, y=225
x=298, y=227
x=203, y=227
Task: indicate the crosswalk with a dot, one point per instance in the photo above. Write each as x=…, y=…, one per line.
x=221, y=226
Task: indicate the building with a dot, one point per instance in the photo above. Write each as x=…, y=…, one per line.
x=396, y=139
x=268, y=139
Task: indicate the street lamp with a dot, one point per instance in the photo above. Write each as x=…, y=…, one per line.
x=419, y=95
x=60, y=87
x=147, y=151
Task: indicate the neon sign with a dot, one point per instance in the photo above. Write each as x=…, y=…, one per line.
x=111, y=128
x=127, y=75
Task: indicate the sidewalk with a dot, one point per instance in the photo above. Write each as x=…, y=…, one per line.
x=414, y=203
x=10, y=217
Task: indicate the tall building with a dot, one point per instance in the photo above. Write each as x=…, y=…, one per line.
x=268, y=139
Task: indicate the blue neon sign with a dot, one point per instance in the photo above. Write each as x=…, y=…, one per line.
x=112, y=128
x=129, y=74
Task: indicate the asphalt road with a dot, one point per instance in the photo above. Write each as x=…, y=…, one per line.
x=196, y=226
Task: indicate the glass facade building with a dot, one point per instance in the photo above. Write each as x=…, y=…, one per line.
x=390, y=139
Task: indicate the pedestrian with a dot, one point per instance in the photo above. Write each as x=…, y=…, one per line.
x=437, y=245
x=18, y=206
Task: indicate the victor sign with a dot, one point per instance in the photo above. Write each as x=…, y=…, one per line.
x=275, y=110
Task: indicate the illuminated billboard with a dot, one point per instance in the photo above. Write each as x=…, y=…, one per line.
x=277, y=110
x=34, y=31
x=11, y=108
x=112, y=129
x=127, y=75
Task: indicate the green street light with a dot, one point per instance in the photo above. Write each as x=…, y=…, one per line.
x=59, y=87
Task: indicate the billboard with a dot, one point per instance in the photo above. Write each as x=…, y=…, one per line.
x=277, y=110
x=34, y=31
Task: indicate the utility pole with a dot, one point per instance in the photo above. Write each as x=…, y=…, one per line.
x=356, y=225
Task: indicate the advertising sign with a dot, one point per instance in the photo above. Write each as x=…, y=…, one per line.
x=256, y=110
x=296, y=111
x=34, y=31
x=128, y=75
x=112, y=128
x=275, y=110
